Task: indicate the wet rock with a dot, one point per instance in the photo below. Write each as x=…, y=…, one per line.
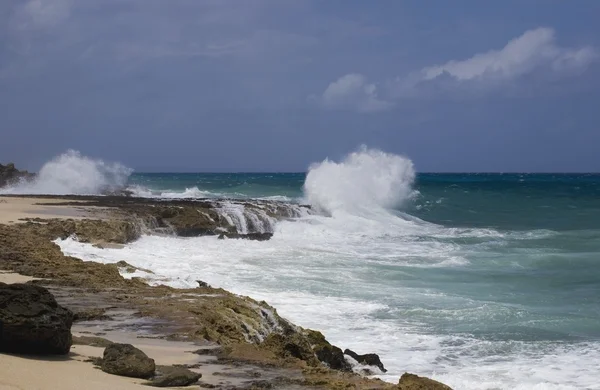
x=170, y=376
x=369, y=359
x=249, y=236
x=414, y=382
x=94, y=314
x=127, y=360
x=9, y=174
x=293, y=345
x=202, y=284
x=32, y=322
x=262, y=384
x=327, y=353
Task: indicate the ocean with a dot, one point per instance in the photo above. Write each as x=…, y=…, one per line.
x=481, y=281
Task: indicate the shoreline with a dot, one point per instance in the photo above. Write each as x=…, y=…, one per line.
x=173, y=314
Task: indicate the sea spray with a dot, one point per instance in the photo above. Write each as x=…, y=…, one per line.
x=73, y=173
x=364, y=181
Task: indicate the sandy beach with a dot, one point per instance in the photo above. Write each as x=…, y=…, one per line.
x=16, y=209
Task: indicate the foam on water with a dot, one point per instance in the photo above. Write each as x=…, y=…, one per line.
x=371, y=279
x=188, y=193
x=73, y=173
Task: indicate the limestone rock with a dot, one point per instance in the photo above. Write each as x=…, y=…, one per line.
x=171, y=376
x=127, y=360
x=327, y=353
x=32, y=322
x=415, y=382
x=369, y=359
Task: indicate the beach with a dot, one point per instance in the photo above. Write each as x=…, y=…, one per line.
x=154, y=319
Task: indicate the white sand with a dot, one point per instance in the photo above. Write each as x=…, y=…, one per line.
x=13, y=209
x=12, y=277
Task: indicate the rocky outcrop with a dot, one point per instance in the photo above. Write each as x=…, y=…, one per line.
x=32, y=322
x=127, y=360
x=9, y=174
x=327, y=353
x=369, y=359
x=171, y=376
x=414, y=382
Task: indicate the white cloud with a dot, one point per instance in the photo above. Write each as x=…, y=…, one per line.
x=353, y=92
x=533, y=50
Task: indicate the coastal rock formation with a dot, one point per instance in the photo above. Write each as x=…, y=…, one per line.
x=9, y=174
x=127, y=360
x=369, y=359
x=32, y=322
x=414, y=382
x=170, y=376
x=327, y=353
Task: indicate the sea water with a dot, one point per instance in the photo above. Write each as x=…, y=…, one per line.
x=481, y=281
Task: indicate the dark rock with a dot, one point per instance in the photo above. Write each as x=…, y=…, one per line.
x=327, y=353
x=333, y=357
x=248, y=236
x=170, y=376
x=414, y=382
x=369, y=359
x=32, y=322
x=127, y=360
x=202, y=283
x=9, y=174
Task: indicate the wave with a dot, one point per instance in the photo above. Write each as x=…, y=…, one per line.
x=71, y=173
x=188, y=193
x=364, y=182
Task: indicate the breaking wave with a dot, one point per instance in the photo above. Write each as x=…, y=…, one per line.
x=71, y=173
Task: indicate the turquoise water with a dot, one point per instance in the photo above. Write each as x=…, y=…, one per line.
x=540, y=263
x=482, y=281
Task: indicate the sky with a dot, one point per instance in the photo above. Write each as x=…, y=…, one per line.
x=217, y=85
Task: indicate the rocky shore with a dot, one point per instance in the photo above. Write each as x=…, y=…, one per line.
x=234, y=331
x=9, y=174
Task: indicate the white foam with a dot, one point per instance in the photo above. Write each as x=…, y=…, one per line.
x=188, y=193
x=73, y=173
x=364, y=182
x=343, y=275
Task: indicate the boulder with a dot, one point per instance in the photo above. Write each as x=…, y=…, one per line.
x=127, y=360
x=415, y=382
x=369, y=359
x=32, y=322
x=171, y=376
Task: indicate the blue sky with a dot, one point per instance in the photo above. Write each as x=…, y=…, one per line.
x=260, y=85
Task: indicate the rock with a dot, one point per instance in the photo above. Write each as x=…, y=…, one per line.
x=92, y=341
x=32, y=322
x=127, y=360
x=414, y=382
x=327, y=353
x=169, y=376
x=94, y=314
x=202, y=283
x=9, y=174
x=248, y=236
x=369, y=359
